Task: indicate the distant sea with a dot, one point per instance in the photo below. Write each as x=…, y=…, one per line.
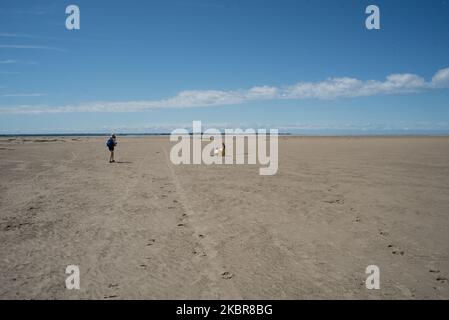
x=330, y=133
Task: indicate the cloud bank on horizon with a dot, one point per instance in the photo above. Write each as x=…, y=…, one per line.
x=329, y=89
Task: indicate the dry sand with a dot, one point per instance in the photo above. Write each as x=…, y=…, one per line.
x=144, y=228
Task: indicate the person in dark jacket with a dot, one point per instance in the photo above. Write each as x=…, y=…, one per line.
x=112, y=142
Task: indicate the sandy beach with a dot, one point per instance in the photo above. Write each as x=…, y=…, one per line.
x=147, y=229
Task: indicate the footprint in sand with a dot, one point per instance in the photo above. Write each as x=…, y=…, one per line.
x=110, y=297
x=227, y=275
x=396, y=251
x=15, y=226
x=151, y=242
x=335, y=201
x=180, y=224
x=113, y=285
x=441, y=279
x=434, y=270
x=202, y=254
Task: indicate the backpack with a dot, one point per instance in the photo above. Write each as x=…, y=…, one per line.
x=110, y=143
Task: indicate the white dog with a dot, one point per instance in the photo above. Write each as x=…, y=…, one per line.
x=220, y=151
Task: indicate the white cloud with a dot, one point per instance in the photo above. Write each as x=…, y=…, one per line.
x=27, y=46
x=441, y=79
x=9, y=61
x=332, y=88
x=12, y=61
x=15, y=35
x=9, y=72
x=7, y=95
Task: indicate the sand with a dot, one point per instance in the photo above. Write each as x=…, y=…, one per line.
x=147, y=229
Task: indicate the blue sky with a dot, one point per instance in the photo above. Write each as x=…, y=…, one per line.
x=151, y=66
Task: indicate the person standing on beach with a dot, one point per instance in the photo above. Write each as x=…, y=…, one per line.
x=112, y=142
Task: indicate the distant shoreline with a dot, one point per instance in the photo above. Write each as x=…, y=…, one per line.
x=280, y=134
